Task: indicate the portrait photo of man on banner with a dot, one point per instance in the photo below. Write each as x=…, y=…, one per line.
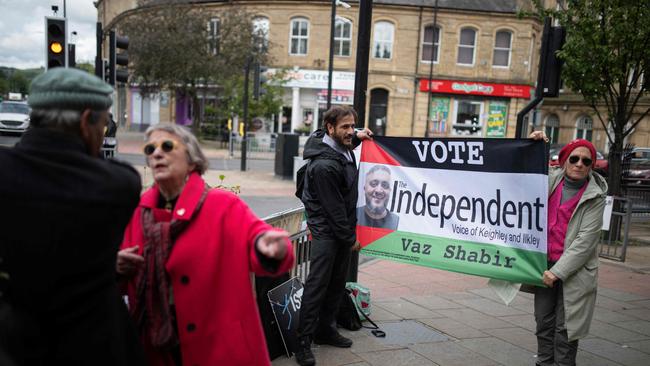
x=475, y=206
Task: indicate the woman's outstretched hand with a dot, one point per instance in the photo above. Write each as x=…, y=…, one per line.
x=273, y=244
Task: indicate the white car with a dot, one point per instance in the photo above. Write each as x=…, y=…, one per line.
x=14, y=116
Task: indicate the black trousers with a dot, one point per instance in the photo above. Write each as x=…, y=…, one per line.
x=553, y=346
x=324, y=288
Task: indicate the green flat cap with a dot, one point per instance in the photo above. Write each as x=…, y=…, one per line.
x=69, y=88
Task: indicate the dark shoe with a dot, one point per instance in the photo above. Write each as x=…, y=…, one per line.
x=335, y=339
x=304, y=356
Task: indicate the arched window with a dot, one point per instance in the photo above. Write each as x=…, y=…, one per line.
x=383, y=40
x=552, y=128
x=466, y=45
x=213, y=36
x=261, y=27
x=502, y=47
x=430, y=44
x=342, y=37
x=299, y=36
x=584, y=128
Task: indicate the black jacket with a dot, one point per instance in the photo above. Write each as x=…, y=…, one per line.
x=330, y=192
x=61, y=223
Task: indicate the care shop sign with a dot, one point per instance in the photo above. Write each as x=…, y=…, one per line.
x=475, y=206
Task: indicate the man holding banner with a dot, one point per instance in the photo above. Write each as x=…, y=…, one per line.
x=330, y=197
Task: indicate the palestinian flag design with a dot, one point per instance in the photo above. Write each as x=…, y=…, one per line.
x=476, y=206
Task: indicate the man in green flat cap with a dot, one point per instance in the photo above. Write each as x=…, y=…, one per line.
x=62, y=217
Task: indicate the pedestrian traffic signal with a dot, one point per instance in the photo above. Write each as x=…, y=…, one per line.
x=55, y=43
x=114, y=59
x=259, y=81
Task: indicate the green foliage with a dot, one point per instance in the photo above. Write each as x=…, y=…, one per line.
x=268, y=104
x=170, y=48
x=234, y=189
x=87, y=67
x=607, y=51
x=17, y=81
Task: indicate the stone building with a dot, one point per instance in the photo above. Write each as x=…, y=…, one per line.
x=483, y=71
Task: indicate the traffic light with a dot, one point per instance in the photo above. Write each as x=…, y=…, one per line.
x=114, y=59
x=259, y=81
x=553, y=69
x=55, y=42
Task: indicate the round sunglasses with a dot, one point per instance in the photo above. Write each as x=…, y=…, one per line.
x=574, y=160
x=165, y=145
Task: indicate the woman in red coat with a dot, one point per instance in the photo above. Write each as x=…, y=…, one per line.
x=186, y=258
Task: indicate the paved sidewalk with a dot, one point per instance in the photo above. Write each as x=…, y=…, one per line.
x=435, y=317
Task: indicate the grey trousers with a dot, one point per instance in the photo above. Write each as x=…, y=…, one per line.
x=553, y=346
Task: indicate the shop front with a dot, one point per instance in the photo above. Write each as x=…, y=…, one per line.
x=472, y=109
x=305, y=97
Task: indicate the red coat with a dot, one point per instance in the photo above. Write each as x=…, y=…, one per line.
x=209, y=270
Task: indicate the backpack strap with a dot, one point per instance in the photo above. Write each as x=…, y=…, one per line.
x=375, y=328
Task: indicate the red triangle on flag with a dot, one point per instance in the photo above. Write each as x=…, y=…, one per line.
x=373, y=153
x=367, y=234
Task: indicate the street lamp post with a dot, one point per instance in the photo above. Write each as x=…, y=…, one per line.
x=330, y=69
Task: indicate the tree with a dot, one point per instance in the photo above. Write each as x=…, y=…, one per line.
x=172, y=47
x=606, y=55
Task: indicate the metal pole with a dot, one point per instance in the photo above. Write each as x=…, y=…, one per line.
x=433, y=47
x=64, y=9
x=360, y=86
x=99, y=65
x=244, y=138
x=363, y=54
x=539, y=90
x=330, y=69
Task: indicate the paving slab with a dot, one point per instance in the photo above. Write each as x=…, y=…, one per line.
x=407, y=310
x=614, y=333
x=381, y=314
x=644, y=303
x=615, y=305
x=460, y=295
x=451, y=354
x=433, y=302
x=500, y=351
x=454, y=328
x=610, y=316
x=409, y=332
x=621, y=295
x=589, y=359
x=615, y=352
x=475, y=319
x=643, y=313
x=523, y=321
x=400, y=357
x=489, y=307
x=643, y=346
x=639, y=326
x=516, y=336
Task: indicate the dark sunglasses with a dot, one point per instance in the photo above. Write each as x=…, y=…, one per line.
x=574, y=159
x=165, y=145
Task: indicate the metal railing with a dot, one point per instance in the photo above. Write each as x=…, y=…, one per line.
x=613, y=244
x=293, y=221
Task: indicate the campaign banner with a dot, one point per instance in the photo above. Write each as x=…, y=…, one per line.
x=476, y=206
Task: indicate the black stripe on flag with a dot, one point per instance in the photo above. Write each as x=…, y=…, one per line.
x=470, y=154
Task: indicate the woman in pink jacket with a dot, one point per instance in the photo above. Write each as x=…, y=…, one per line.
x=186, y=260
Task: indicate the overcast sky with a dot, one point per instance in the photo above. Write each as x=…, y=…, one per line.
x=22, y=30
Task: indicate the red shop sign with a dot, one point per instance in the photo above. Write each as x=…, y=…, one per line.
x=476, y=88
